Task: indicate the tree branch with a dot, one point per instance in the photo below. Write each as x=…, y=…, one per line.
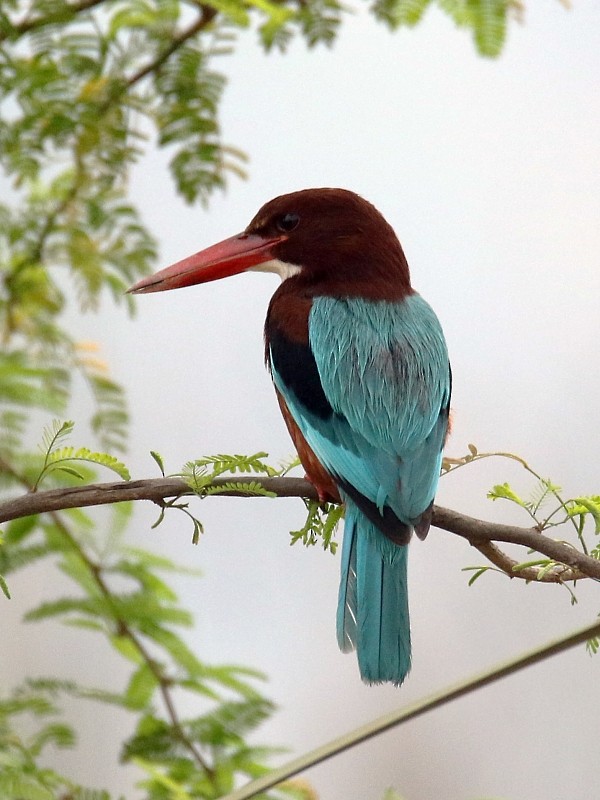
x=66, y=12
x=206, y=17
x=478, y=532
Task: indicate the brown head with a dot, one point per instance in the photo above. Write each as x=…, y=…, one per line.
x=331, y=240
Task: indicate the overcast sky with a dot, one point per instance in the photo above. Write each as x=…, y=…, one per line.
x=489, y=172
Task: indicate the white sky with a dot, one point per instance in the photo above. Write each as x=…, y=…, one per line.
x=489, y=172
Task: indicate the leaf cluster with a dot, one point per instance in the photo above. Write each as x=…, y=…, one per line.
x=23, y=774
x=486, y=19
x=120, y=593
x=322, y=519
x=546, y=508
x=62, y=459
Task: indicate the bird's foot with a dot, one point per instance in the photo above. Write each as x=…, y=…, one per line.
x=324, y=494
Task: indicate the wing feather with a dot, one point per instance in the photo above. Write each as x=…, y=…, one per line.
x=384, y=370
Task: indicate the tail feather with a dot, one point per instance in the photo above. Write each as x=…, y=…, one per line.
x=347, y=601
x=373, y=601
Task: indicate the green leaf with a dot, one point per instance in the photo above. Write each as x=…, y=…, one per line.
x=201, y=472
x=489, y=23
x=58, y=734
x=141, y=687
x=159, y=460
x=233, y=10
x=66, y=605
x=54, y=434
x=592, y=646
x=251, y=488
x=504, y=492
x=164, y=786
x=15, y=784
x=19, y=529
x=176, y=648
x=24, y=384
x=400, y=12
x=322, y=520
x=4, y=587
x=591, y=505
x=71, y=471
x=391, y=794
x=477, y=573
x=126, y=648
x=56, y=461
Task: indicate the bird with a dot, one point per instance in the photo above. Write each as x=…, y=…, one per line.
x=362, y=376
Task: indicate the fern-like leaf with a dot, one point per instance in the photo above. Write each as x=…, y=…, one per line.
x=62, y=458
x=400, y=12
x=541, y=493
x=582, y=506
x=253, y=488
x=54, y=434
x=84, y=454
x=4, y=588
x=322, y=520
x=200, y=473
x=502, y=491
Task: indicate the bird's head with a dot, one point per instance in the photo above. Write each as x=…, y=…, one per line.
x=330, y=240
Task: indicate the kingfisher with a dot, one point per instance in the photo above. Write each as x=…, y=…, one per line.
x=362, y=376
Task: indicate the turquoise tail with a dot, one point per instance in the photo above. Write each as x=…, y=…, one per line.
x=372, y=614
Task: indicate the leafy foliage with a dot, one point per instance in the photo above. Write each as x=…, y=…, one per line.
x=487, y=19
x=119, y=592
x=22, y=775
x=546, y=508
x=198, y=475
x=322, y=521
x=61, y=458
x=83, y=87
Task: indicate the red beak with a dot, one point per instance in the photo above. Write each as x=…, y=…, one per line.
x=218, y=261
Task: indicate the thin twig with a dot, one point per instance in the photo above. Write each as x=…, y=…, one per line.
x=478, y=531
x=396, y=718
x=66, y=11
x=125, y=630
x=513, y=569
x=206, y=17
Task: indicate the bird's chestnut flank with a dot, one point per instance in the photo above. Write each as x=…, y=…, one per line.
x=362, y=377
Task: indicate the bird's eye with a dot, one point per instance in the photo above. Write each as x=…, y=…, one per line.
x=287, y=222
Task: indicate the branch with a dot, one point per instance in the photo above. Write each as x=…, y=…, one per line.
x=477, y=532
x=66, y=12
x=164, y=681
x=156, y=489
x=399, y=716
x=206, y=17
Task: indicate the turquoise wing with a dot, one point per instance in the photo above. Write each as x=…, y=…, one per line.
x=384, y=371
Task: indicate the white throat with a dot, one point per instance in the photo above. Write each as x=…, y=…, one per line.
x=281, y=268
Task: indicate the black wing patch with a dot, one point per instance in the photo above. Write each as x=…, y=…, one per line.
x=297, y=368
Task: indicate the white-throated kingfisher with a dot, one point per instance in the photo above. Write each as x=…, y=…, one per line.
x=363, y=380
